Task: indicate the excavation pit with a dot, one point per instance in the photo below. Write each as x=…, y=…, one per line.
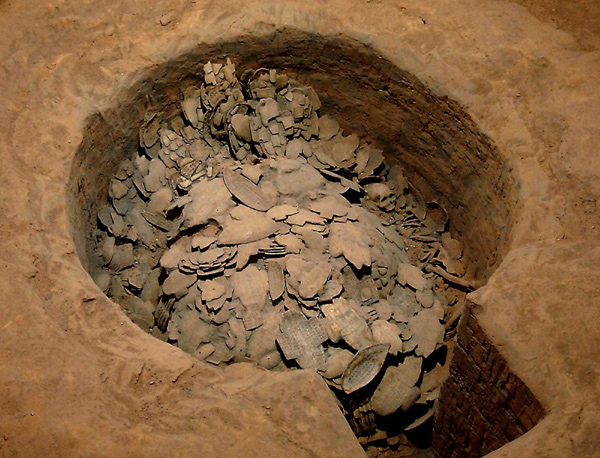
x=445, y=157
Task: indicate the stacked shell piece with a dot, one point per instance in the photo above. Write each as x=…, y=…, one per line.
x=251, y=228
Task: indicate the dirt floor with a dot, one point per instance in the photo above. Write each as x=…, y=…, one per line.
x=78, y=378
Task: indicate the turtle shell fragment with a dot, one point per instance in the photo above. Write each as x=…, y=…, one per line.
x=364, y=367
x=247, y=192
x=301, y=339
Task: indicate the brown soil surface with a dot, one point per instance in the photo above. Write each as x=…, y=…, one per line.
x=578, y=17
x=77, y=378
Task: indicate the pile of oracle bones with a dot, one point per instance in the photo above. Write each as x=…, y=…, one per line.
x=248, y=227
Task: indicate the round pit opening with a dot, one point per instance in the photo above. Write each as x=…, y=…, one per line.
x=447, y=160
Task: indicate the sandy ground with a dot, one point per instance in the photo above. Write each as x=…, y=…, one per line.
x=77, y=378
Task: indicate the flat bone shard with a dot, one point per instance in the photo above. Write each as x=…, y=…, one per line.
x=397, y=387
x=209, y=199
x=349, y=240
x=247, y=230
x=313, y=281
x=427, y=331
x=276, y=279
x=250, y=286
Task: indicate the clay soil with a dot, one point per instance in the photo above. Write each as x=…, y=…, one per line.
x=78, y=378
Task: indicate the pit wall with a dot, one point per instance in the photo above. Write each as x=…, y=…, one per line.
x=482, y=404
x=444, y=154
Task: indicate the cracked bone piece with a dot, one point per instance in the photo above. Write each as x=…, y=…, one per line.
x=208, y=200
x=251, y=286
x=267, y=109
x=412, y=276
x=247, y=230
x=281, y=212
x=337, y=363
x=347, y=239
x=397, y=388
x=382, y=195
x=427, y=331
x=202, y=242
x=211, y=289
x=313, y=281
x=342, y=150
x=328, y=127
x=241, y=126
x=385, y=332
x=345, y=321
x=276, y=279
x=177, y=283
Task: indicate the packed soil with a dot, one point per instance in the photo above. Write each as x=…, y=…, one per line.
x=78, y=378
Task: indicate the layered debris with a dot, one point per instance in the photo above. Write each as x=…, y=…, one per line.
x=250, y=227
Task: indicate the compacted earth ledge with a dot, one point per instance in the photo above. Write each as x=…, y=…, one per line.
x=76, y=380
